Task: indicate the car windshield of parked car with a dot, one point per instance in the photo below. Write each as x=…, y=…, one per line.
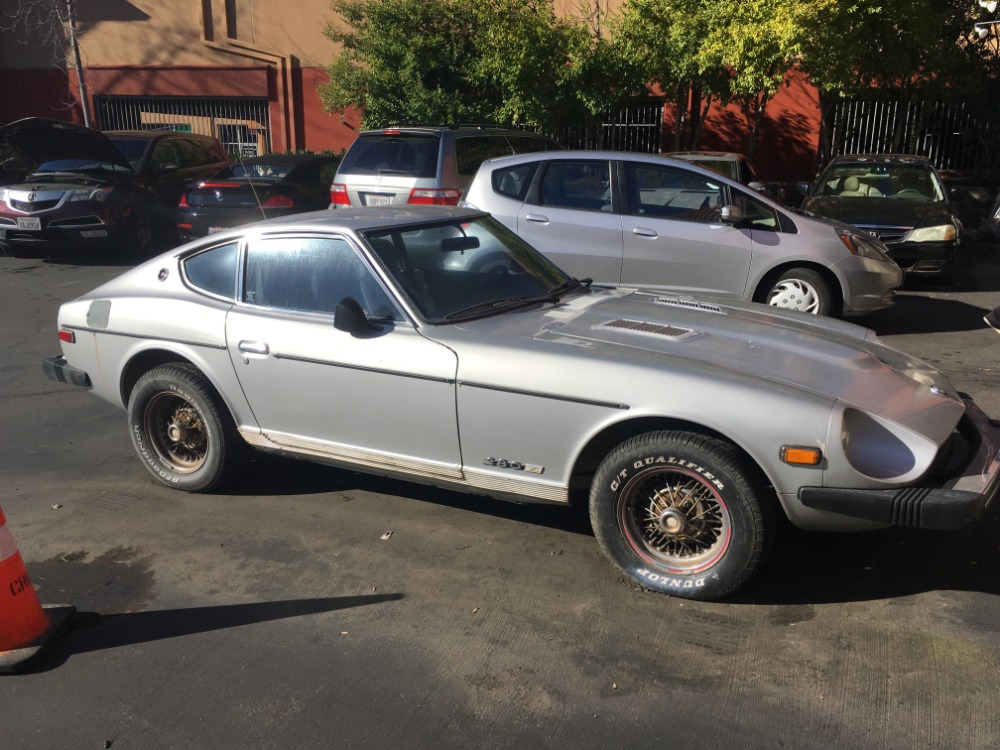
x=467, y=268
x=259, y=171
x=76, y=166
x=865, y=180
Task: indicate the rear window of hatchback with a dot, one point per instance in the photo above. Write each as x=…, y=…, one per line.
x=406, y=154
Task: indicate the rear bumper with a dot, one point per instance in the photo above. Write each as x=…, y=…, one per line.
x=57, y=368
x=959, y=500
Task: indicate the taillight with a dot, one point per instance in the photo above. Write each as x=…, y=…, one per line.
x=184, y=201
x=435, y=196
x=278, y=201
x=68, y=336
x=338, y=195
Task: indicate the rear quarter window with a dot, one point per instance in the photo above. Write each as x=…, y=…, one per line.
x=513, y=182
x=214, y=270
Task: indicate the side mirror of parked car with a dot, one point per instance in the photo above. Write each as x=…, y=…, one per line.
x=732, y=214
x=350, y=318
x=168, y=168
x=760, y=187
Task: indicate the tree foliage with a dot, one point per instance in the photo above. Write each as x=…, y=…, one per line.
x=436, y=61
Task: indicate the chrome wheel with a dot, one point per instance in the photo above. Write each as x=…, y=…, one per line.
x=177, y=432
x=675, y=520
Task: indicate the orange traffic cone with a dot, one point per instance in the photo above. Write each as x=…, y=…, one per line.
x=25, y=626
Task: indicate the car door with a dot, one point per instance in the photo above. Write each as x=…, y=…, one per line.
x=384, y=399
x=673, y=236
x=570, y=215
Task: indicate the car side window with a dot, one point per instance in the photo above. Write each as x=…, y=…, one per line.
x=513, y=182
x=671, y=193
x=193, y=153
x=756, y=214
x=471, y=151
x=214, y=270
x=312, y=274
x=528, y=144
x=582, y=184
x=164, y=153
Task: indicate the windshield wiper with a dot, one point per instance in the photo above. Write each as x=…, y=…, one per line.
x=507, y=303
x=568, y=286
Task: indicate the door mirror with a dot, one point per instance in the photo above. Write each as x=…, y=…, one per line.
x=732, y=215
x=350, y=318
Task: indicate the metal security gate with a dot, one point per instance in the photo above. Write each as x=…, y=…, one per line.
x=946, y=133
x=636, y=128
x=242, y=124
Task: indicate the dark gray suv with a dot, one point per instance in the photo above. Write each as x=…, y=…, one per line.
x=423, y=165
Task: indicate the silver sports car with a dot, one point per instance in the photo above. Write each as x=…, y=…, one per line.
x=433, y=344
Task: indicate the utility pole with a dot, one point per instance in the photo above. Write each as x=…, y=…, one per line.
x=75, y=46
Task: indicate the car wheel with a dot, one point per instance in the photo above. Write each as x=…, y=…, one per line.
x=181, y=431
x=801, y=289
x=678, y=513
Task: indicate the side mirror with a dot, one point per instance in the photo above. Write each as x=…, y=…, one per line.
x=350, y=318
x=760, y=187
x=168, y=168
x=731, y=215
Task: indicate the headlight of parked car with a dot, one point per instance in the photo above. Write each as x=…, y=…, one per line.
x=863, y=245
x=940, y=233
x=90, y=194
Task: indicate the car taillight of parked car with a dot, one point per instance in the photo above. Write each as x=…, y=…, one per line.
x=278, y=201
x=338, y=195
x=435, y=196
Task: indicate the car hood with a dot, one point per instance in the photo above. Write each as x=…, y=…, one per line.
x=38, y=140
x=880, y=211
x=828, y=358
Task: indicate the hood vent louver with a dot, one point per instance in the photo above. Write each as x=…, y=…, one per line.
x=690, y=304
x=655, y=329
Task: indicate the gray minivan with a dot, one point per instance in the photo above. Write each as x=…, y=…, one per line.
x=423, y=165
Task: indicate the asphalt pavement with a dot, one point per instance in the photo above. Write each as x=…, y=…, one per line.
x=285, y=614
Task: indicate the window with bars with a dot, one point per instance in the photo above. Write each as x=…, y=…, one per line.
x=241, y=124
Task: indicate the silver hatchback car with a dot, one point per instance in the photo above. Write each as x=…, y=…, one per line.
x=649, y=221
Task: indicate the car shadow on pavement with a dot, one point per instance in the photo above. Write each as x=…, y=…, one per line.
x=924, y=313
x=818, y=568
x=91, y=631
x=276, y=476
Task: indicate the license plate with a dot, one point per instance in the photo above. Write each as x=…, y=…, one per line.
x=213, y=230
x=29, y=223
x=374, y=199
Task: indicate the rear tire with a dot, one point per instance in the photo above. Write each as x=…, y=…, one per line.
x=181, y=430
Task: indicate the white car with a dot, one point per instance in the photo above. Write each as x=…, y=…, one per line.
x=640, y=220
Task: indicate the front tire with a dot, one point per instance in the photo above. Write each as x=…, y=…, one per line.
x=678, y=513
x=181, y=431
x=801, y=289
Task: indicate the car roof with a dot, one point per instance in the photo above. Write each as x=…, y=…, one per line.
x=610, y=156
x=707, y=155
x=437, y=129
x=150, y=135
x=288, y=160
x=361, y=219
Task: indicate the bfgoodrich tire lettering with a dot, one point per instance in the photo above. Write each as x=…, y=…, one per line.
x=678, y=513
x=182, y=433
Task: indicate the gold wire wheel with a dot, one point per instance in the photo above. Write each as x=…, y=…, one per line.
x=177, y=432
x=674, y=519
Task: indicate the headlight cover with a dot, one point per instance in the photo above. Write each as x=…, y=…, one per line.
x=939, y=233
x=862, y=245
x=90, y=194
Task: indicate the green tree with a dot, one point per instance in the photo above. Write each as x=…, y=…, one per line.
x=434, y=61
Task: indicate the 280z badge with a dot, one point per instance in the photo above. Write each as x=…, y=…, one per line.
x=503, y=463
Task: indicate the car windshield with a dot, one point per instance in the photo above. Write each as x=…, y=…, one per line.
x=467, y=268
x=870, y=180
x=133, y=149
x=259, y=171
x=77, y=165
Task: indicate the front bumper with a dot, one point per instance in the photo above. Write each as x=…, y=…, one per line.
x=57, y=368
x=969, y=480
x=923, y=258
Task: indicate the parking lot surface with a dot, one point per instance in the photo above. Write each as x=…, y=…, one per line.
x=317, y=608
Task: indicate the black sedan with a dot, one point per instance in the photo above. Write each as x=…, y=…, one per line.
x=899, y=199
x=262, y=187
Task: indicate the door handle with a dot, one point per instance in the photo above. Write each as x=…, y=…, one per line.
x=643, y=232
x=254, y=347
x=537, y=217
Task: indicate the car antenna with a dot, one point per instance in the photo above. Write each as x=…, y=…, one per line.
x=239, y=160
